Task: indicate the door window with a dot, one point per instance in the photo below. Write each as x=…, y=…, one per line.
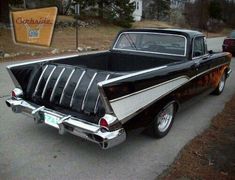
x=198, y=47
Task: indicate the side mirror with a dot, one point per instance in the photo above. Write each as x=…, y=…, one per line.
x=210, y=52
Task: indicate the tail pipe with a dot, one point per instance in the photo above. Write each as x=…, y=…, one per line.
x=15, y=106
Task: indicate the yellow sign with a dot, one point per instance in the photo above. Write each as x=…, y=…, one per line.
x=34, y=26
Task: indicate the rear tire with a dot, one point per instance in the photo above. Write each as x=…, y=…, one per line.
x=220, y=88
x=163, y=121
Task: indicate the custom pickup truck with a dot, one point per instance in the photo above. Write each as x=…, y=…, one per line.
x=142, y=81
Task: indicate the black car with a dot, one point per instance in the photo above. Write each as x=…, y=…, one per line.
x=142, y=81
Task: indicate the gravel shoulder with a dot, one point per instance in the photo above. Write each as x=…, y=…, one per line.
x=211, y=154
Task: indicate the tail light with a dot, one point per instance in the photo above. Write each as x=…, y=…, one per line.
x=103, y=123
x=15, y=93
x=109, y=122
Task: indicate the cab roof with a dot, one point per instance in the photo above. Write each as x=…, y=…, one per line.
x=185, y=32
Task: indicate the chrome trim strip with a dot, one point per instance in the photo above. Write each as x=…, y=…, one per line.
x=56, y=83
x=146, y=89
x=190, y=79
x=70, y=76
x=48, y=79
x=75, y=89
x=39, y=80
x=16, y=83
x=96, y=103
x=98, y=97
x=54, y=58
x=43, y=60
x=163, y=34
x=204, y=72
x=130, y=75
x=89, y=86
x=121, y=107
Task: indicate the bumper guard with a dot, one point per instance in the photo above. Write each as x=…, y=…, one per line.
x=67, y=123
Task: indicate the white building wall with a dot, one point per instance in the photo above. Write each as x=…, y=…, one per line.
x=137, y=14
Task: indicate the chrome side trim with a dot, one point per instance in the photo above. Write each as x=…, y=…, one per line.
x=56, y=83
x=190, y=79
x=70, y=76
x=125, y=106
x=98, y=97
x=54, y=58
x=129, y=95
x=16, y=83
x=75, y=89
x=96, y=103
x=89, y=86
x=204, y=72
x=48, y=79
x=146, y=89
x=130, y=75
x=39, y=80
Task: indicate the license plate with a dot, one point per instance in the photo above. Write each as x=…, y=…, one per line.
x=51, y=120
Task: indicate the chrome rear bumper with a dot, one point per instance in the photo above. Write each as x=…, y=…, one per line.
x=84, y=129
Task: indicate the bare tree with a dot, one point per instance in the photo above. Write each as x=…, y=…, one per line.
x=197, y=14
x=4, y=11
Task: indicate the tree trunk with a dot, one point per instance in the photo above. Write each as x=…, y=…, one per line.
x=101, y=8
x=4, y=12
x=67, y=7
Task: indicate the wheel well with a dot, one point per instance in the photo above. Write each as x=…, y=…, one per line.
x=175, y=103
x=177, y=106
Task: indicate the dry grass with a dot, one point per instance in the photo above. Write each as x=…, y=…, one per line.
x=100, y=37
x=152, y=24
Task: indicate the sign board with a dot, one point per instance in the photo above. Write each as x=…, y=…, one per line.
x=34, y=26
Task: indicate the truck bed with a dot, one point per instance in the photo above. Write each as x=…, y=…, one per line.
x=70, y=85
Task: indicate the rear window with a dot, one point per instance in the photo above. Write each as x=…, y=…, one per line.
x=159, y=43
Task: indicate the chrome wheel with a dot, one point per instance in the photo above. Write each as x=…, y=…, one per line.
x=220, y=88
x=165, y=117
x=163, y=120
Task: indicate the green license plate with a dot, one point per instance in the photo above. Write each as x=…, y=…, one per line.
x=51, y=120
